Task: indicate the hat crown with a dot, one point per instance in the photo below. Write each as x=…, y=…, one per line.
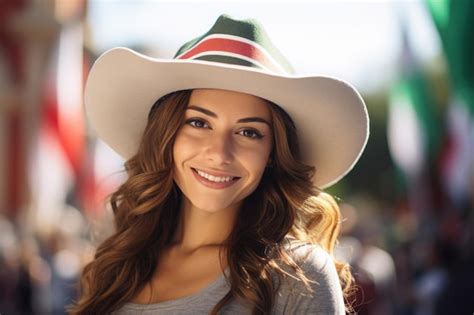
x=239, y=42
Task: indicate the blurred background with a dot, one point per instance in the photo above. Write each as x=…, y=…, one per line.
x=407, y=206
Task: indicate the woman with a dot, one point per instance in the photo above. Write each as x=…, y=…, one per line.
x=227, y=153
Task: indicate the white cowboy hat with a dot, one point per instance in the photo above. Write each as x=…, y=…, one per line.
x=330, y=115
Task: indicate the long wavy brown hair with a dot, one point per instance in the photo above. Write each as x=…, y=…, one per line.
x=146, y=212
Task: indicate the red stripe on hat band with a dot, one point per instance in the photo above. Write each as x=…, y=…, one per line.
x=230, y=46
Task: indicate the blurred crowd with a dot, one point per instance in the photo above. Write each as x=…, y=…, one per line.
x=38, y=272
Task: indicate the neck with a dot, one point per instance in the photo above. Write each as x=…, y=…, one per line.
x=198, y=228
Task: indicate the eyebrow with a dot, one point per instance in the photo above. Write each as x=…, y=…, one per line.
x=242, y=120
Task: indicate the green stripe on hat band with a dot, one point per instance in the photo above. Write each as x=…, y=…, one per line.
x=245, y=60
x=228, y=59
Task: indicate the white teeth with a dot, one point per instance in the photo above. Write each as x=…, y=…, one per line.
x=214, y=178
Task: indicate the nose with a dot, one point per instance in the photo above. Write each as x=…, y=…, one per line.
x=219, y=149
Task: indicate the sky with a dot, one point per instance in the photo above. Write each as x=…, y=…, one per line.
x=356, y=41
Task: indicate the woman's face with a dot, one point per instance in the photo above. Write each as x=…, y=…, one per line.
x=222, y=148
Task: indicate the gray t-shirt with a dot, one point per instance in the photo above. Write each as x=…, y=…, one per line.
x=292, y=296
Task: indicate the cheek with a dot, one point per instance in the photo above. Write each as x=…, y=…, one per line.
x=182, y=148
x=255, y=158
x=182, y=151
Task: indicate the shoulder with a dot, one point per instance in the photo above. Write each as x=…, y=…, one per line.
x=311, y=258
x=318, y=266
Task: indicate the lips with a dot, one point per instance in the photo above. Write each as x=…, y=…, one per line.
x=211, y=184
x=215, y=174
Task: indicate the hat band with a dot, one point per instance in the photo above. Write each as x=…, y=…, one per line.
x=235, y=47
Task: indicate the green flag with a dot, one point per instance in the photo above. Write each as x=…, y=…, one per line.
x=455, y=23
x=413, y=127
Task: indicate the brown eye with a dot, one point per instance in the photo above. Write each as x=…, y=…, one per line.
x=197, y=123
x=251, y=133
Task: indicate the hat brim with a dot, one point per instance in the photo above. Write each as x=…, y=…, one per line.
x=330, y=115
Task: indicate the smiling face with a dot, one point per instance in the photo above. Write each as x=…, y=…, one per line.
x=222, y=148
